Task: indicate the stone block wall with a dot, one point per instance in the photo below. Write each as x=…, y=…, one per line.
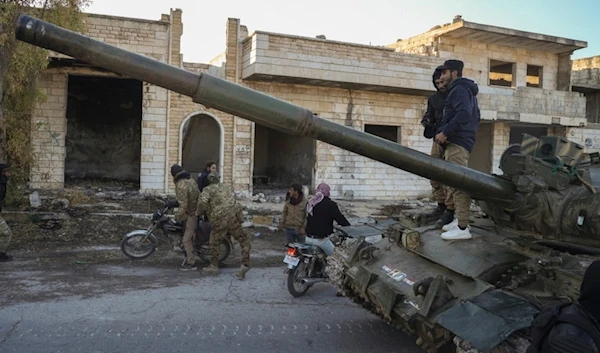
x=49, y=127
x=589, y=137
x=350, y=175
x=145, y=37
x=317, y=59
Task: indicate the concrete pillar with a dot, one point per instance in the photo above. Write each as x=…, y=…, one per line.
x=563, y=79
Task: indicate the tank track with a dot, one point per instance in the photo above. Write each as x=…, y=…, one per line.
x=337, y=265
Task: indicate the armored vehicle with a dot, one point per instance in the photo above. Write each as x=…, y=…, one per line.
x=471, y=295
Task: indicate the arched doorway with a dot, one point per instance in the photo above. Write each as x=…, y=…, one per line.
x=201, y=140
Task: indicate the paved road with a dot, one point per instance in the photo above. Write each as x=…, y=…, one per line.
x=190, y=313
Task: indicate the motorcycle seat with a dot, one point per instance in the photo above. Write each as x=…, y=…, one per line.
x=312, y=248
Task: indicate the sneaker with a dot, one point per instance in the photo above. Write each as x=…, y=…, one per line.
x=446, y=218
x=187, y=267
x=5, y=258
x=241, y=273
x=457, y=234
x=211, y=270
x=451, y=225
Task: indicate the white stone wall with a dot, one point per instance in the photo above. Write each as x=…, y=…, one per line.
x=587, y=137
x=150, y=38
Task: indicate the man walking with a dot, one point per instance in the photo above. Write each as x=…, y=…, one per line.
x=186, y=191
x=457, y=136
x=5, y=232
x=226, y=216
x=431, y=121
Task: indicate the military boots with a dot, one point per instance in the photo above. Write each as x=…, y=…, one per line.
x=446, y=218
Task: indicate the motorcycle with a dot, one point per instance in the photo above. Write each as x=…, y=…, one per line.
x=141, y=243
x=306, y=264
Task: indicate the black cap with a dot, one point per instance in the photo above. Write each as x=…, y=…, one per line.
x=453, y=65
x=438, y=72
x=4, y=166
x=176, y=169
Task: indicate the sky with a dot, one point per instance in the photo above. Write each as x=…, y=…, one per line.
x=375, y=22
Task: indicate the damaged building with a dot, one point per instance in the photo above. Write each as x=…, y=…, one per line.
x=96, y=126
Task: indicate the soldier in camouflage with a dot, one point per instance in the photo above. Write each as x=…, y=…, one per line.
x=226, y=216
x=186, y=191
x=5, y=233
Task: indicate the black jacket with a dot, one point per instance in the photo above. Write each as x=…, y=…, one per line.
x=461, y=113
x=203, y=180
x=320, y=224
x=569, y=338
x=435, y=110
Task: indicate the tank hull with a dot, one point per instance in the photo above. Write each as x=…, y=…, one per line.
x=475, y=293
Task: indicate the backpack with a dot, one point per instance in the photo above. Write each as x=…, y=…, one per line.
x=551, y=316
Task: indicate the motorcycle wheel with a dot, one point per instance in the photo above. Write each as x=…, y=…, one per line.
x=224, y=251
x=294, y=277
x=130, y=245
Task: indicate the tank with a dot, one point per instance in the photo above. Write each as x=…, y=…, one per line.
x=539, y=235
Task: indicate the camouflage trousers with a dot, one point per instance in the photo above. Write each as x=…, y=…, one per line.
x=462, y=201
x=5, y=235
x=233, y=226
x=439, y=190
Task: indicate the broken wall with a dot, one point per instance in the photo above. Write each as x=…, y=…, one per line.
x=284, y=158
x=49, y=119
x=350, y=175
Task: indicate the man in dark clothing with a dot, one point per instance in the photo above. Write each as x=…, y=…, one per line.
x=570, y=338
x=321, y=212
x=5, y=232
x=457, y=136
x=431, y=121
x=203, y=177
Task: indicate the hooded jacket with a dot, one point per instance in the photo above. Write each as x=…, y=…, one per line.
x=461, y=113
x=569, y=338
x=435, y=108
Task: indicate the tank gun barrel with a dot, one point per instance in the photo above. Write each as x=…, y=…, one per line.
x=258, y=107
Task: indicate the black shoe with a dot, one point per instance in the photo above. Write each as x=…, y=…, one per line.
x=5, y=258
x=446, y=218
x=187, y=267
x=438, y=212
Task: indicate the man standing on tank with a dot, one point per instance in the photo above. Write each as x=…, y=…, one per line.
x=457, y=135
x=431, y=121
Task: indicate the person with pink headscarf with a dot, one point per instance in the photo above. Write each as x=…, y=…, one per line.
x=321, y=211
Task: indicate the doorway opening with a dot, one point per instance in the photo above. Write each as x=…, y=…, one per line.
x=281, y=159
x=201, y=142
x=104, y=132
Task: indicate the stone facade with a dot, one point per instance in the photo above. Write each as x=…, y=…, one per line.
x=351, y=84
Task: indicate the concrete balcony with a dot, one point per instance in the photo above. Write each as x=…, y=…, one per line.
x=300, y=60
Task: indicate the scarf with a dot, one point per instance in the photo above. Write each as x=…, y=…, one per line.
x=322, y=191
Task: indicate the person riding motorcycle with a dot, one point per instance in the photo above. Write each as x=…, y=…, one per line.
x=226, y=216
x=321, y=211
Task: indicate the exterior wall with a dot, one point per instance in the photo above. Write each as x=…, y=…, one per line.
x=350, y=175
x=49, y=128
x=183, y=107
x=589, y=137
x=151, y=38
